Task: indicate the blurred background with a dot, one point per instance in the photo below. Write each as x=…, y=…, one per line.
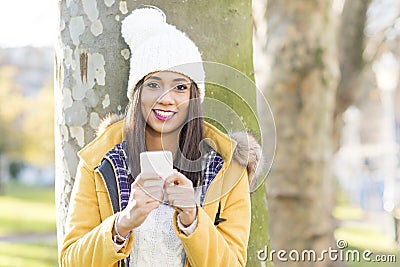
x=27, y=208
x=366, y=164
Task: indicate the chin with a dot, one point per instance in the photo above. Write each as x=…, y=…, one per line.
x=163, y=129
x=167, y=130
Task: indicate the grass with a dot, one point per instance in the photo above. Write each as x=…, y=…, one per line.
x=27, y=210
x=345, y=212
x=38, y=254
x=361, y=236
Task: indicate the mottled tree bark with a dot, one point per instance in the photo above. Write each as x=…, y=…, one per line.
x=91, y=80
x=92, y=64
x=299, y=74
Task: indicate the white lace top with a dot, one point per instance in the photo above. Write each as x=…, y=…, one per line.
x=156, y=243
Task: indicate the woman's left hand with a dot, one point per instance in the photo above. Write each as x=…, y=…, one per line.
x=180, y=192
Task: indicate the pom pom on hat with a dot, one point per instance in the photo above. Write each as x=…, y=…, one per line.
x=141, y=24
x=158, y=46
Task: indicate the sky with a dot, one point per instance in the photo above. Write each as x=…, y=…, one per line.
x=27, y=22
x=34, y=22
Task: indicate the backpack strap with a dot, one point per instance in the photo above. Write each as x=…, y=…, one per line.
x=108, y=174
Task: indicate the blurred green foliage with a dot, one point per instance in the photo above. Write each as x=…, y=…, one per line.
x=26, y=121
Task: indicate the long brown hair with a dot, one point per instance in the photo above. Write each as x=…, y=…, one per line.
x=188, y=158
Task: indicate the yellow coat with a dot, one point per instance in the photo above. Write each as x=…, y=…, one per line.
x=88, y=236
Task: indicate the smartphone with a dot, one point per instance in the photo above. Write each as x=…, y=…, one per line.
x=156, y=163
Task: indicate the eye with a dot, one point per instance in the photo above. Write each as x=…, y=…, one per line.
x=152, y=85
x=181, y=87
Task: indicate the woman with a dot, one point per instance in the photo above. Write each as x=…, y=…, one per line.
x=117, y=216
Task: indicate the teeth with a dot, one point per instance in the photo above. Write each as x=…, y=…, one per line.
x=164, y=113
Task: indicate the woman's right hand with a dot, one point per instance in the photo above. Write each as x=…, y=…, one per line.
x=146, y=195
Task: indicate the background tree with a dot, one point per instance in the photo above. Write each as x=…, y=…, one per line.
x=299, y=74
x=11, y=110
x=25, y=120
x=351, y=61
x=92, y=64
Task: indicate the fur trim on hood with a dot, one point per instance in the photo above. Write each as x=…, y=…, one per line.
x=247, y=152
x=108, y=120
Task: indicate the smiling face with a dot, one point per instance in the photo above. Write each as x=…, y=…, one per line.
x=165, y=101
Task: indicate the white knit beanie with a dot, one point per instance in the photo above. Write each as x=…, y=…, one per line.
x=158, y=46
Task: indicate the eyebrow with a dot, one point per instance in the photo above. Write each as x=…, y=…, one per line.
x=174, y=80
x=180, y=80
x=154, y=78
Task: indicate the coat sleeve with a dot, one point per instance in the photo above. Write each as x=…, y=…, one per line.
x=88, y=240
x=225, y=244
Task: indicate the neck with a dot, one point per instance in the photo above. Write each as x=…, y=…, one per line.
x=164, y=141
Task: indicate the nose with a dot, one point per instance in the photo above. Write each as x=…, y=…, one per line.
x=167, y=97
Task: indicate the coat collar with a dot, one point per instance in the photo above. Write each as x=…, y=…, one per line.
x=220, y=142
x=112, y=134
x=93, y=153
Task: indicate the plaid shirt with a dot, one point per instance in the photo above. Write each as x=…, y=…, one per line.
x=213, y=165
x=117, y=156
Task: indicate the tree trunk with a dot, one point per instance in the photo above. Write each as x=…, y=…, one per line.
x=4, y=172
x=351, y=48
x=92, y=64
x=299, y=76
